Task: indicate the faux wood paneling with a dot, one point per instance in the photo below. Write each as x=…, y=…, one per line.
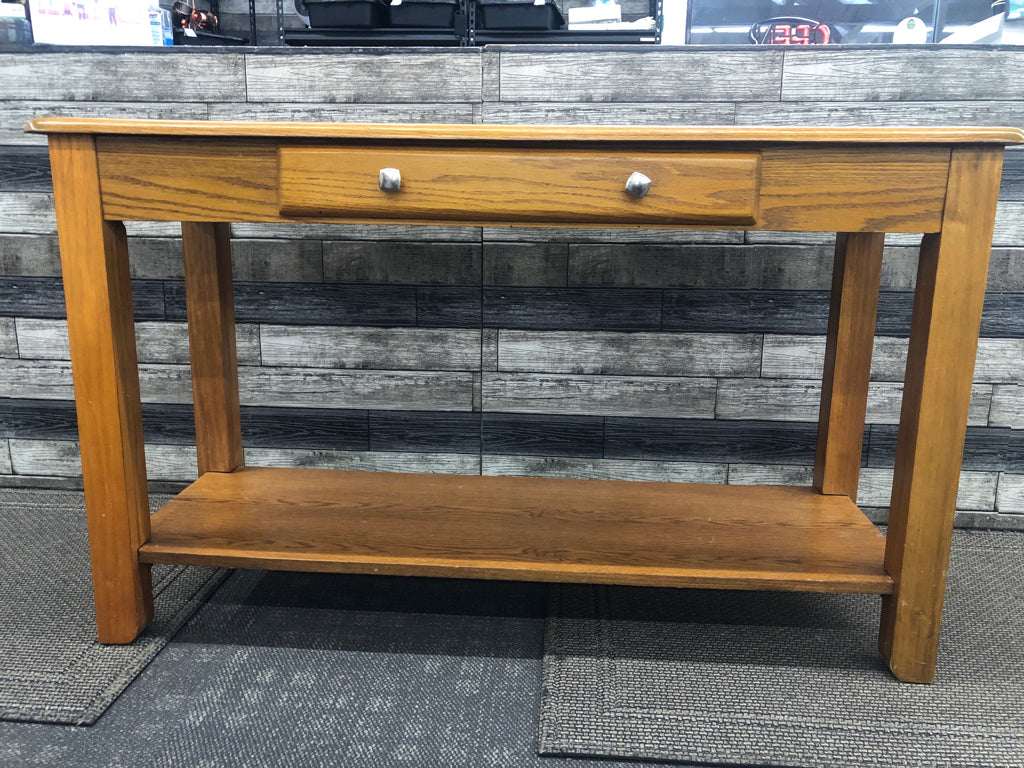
x=1002, y=316
x=986, y=448
x=762, y=283
x=15, y=114
x=604, y=469
x=656, y=354
x=1009, y=229
x=276, y=261
x=50, y=458
x=1007, y=406
x=311, y=304
x=899, y=74
x=8, y=338
x=375, y=233
x=154, y=342
x=801, y=357
x=366, y=461
x=1006, y=270
x=131, y=77
x=318, y=387
x=56, y=420
x=5, y=458
x=798, y=400
x=25, y=169
x=27, y=213
x=51, y=380
x=608, y=113
x=370, y=77
x=305, y=428
x=525, y=264
x=425, y=431
x=568, y=74
x=769, y=474
x=599, y=395
x=402, y=263
x=733, y=311
x=46, y=458
x=563, y=235
x=715, y=441
x=542, y=435
x=29, y=256
x=1010, y=494
x=582, y=309
x=452, y=307
x=977, y=489
x=380, y=348
x=699, y=266
x=344, y=113
x=1012, y=186
x=44, y=297
x=806, y=312
x=897, y=112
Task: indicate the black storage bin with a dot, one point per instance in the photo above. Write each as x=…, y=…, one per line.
x=423, y=13
x=518, y=15
x=347, y=13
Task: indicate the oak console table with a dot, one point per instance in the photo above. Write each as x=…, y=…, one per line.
x=860, y=183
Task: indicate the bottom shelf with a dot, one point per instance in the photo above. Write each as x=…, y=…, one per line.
x=522, y=528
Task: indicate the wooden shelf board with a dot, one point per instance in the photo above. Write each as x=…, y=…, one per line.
x=522, y=528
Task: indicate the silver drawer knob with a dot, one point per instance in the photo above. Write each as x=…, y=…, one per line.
x=390, y=180
x=637, y=184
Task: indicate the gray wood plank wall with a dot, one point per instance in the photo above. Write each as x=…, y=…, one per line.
x=688, y=356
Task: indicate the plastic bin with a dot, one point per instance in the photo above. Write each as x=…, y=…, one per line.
x=515, y=15
x=423, y=13
x=347, y=13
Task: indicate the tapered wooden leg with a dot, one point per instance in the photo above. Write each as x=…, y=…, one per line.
x=211, y=334
x=936, y=397
x=97, y=290
x=844, y=388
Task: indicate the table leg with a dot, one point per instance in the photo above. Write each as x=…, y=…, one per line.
x=211, y=334
x=948, y=302
x=844, y=388
x=101, y=330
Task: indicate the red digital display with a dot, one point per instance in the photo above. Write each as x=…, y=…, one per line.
x=790, y=31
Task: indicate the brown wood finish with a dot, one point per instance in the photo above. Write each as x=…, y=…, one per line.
x=211, y=336
x=538, y=133
x=537, y=529
x=814, y=188
x=948, y=301
x=848, y=189
x=858, y=181
x=554, y=186
x=101, y=332
x=856, y=276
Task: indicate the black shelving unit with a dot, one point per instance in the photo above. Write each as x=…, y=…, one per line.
x=464, y=32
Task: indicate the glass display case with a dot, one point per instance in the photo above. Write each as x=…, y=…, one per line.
x=808, y=22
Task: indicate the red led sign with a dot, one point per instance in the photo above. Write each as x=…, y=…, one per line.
x=787, y=30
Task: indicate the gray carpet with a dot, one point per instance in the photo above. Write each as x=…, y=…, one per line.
x=52, y=670
x=788, y=679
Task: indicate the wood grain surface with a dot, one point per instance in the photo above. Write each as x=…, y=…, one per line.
x=536, y=133
x=847, y=368
x=520, y=185
x=523, y=528
x=213, y=352
x=934, y=417
x=97, y=291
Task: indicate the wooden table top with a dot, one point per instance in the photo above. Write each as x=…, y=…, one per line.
x=774, y=134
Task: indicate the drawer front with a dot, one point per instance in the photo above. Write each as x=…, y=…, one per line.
x=520, y=185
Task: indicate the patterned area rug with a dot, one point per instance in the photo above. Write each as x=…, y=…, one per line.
x=787, y=679
x=52, y=670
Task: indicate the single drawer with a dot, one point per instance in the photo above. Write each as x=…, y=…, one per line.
x=571, y=186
